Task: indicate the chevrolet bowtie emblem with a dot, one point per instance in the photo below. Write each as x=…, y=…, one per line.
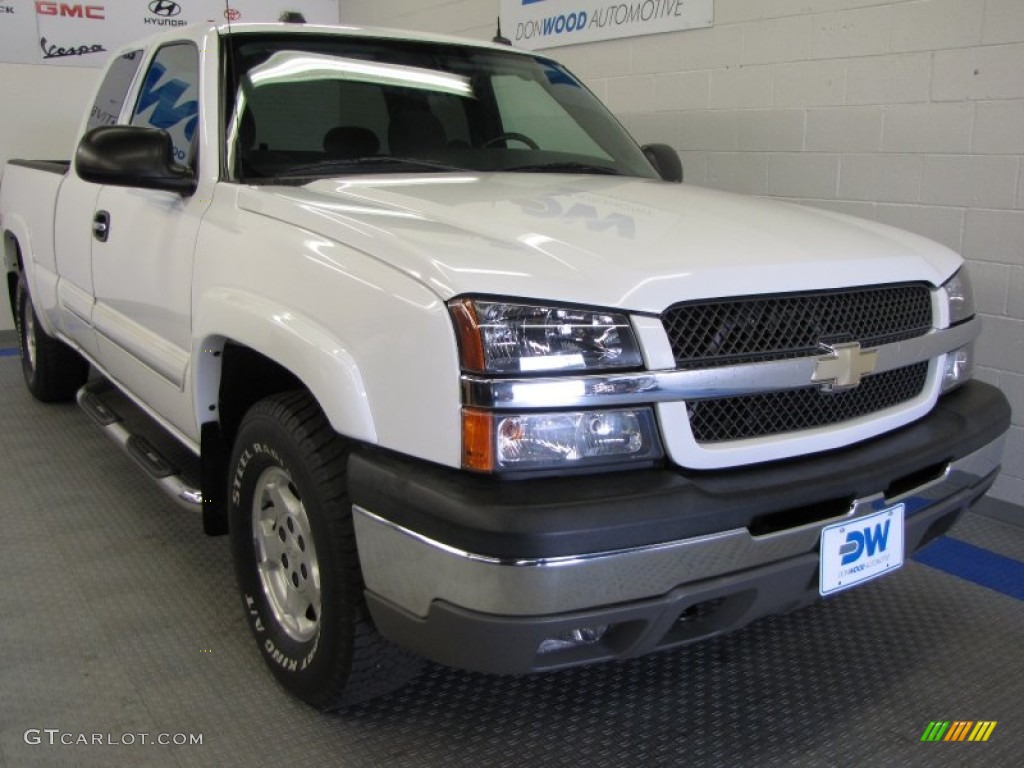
x=843, y=366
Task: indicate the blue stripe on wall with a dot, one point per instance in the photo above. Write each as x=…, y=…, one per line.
x=977, y=565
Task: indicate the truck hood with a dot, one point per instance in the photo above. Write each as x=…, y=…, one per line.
x=606, y=241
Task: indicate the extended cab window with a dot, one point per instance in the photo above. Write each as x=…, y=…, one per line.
x=169, y=97
x=114, y=90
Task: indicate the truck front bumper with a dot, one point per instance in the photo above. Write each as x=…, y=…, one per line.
x=523, y=576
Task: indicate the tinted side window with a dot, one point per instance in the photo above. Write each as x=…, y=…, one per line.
x=169, y=97
x=114, y=90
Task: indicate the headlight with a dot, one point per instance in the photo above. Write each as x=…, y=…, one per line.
x=496, y=442
x=500, y=337
x=960, y=297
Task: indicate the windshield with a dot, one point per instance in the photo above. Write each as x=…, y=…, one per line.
x=306, y=107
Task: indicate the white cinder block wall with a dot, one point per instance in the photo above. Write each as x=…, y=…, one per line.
x=910, y=112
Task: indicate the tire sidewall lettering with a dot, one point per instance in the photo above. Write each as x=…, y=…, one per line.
x=279, y=657
x=282, y=657
x=282, y=652
x=236, y=483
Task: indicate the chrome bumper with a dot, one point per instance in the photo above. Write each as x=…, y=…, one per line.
x=411, y=571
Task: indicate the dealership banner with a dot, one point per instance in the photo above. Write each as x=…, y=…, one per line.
x=536, y=24
x=84, y=34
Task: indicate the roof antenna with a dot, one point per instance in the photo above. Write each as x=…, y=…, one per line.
x=292, y=17
x=498, y=38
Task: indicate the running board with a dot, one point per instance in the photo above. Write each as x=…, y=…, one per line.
x=163, y=471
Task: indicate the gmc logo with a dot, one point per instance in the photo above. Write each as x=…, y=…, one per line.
x=68, y=9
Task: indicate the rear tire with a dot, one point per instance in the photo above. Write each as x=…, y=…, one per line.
x=296, y=562
x=53, y=371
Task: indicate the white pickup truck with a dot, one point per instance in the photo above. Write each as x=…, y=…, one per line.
x=465, y=373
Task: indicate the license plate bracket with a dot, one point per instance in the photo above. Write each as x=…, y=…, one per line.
x=858, y=550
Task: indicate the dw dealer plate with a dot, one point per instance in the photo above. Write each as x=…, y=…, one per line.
x=857, y=550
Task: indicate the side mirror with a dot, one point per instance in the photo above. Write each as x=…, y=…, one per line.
x=665, y=161
x=132, y=156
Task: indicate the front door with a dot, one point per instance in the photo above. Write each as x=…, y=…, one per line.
x=142, y=267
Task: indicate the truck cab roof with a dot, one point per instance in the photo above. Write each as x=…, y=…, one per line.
x=203, y=33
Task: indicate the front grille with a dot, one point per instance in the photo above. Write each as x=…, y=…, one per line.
x=736, y=418
x=757, y=328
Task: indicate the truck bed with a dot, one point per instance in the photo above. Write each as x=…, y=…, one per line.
x=50, y=166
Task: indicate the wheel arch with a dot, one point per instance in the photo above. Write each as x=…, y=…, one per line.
x=12, y=251
x=282, y=340
x=248, y=349
x=20, y=258
x=12, y=266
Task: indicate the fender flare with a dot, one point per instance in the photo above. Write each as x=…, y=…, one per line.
x=19, y=231
x=294, y=341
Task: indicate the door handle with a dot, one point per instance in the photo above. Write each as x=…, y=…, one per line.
x=101, y=226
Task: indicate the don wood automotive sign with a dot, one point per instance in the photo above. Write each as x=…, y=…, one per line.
x=548, y=23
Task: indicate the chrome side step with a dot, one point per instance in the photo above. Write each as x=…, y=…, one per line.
x=164, y=472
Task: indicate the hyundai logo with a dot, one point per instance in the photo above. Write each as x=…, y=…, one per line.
x=167, y=8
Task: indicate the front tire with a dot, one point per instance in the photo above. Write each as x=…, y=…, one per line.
x=53, y=371
x=296, y=562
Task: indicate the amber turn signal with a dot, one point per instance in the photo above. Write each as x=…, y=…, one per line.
x=477, y=440
x=467, y=327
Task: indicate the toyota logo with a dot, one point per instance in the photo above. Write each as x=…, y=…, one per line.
x=167, y=8
x=232, y=14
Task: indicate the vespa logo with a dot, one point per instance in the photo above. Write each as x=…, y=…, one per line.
x=843, y=366
x=165, y=8
x=70, y=10
x=866, y=541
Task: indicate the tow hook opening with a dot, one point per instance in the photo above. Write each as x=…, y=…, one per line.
x=783, y=520
x=577, y=645
x=573, y=638
x=915, y=480
x=708, y=617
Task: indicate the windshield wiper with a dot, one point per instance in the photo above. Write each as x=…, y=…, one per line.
x=564, y=168
x=325, y=166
